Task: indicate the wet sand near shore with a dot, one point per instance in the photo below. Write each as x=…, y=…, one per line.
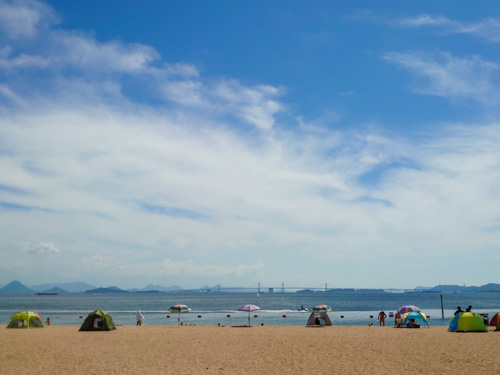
x=248, y=350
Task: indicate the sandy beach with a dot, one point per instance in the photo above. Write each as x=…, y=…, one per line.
x=251, y=350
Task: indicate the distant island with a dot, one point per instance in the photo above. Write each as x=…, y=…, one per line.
x=16, y=287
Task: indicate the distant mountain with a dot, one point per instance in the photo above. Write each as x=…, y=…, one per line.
x=152, y=287
x=16, y=287
x=75, y=287
x=111, y=289
x=491, y=287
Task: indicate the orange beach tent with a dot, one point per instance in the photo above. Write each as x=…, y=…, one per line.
x=495, y=321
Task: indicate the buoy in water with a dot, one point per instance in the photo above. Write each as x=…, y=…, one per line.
x=428, y=316
x=284, y=316
x=199, y=316
x=371, y=316
x=255, y=316
x=168, y=316
x=228, y=315
x=81, y=317
x=342, y=316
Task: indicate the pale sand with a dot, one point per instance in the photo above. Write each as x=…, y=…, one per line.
x=254, y=350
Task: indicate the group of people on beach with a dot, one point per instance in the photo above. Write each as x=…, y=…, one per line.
x=459, y=310
x=382, y=315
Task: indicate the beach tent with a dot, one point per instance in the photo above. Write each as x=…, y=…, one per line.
x=318, y=319
x=98, y=320
x=26, y=319
x=495, y=320
x=415, y=316
x=467, y=322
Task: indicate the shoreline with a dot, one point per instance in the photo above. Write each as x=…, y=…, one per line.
x=261, y=349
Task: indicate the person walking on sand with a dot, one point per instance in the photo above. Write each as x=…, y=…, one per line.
x=47, y=322
x=381, y=318
x=139, y=318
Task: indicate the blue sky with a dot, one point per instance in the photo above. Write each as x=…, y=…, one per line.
x=195, y=142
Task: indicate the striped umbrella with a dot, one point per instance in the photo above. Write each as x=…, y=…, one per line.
x=321, y=309
x=179, y=309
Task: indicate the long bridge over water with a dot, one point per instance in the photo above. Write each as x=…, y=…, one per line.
x=260, y=289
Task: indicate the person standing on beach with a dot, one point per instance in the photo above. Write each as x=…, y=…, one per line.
x=381, y=318
x=139, y=318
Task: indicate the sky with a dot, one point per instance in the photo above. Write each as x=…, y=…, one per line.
x=199, y=143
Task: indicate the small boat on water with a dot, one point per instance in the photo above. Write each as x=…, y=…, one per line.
x=302, y=308
x=46, y=294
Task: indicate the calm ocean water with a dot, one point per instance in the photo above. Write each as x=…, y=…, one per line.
x=214, y=308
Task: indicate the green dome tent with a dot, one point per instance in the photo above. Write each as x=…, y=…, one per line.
x=26, y=319
x=98, y=320
x=467, y=322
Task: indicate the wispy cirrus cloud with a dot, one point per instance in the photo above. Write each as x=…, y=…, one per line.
x=488, y=29
x=41, y=248
x=442, y=74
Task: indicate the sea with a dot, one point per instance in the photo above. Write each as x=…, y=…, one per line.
x=217, y=308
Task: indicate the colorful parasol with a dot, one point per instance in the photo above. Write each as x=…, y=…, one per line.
x=321, y=309
x=407, y=308
x=179, y=309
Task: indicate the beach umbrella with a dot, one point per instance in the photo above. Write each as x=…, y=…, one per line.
x=407, y=308
x=249, y=308
x=321, y=309
x=179, y=309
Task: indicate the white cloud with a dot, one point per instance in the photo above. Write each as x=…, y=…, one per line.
x=178, y=69
x=82, y=51
x=488, y=29
x=423, y=20
x=257, y=105
x=25, y=18
x=21, y=60
x=7, y=93
x=96, y=65
x=99, y=261
x=41, y=248
x=444, y=75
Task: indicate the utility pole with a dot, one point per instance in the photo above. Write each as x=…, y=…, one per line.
x=282, y=287
x=442, y=310
x=326, y=287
